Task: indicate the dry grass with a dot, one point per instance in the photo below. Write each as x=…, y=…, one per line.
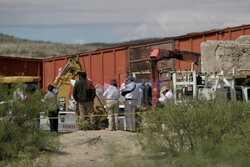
x=11, y=46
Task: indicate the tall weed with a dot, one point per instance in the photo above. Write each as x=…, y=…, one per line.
x=20, y=137
x=202, y=132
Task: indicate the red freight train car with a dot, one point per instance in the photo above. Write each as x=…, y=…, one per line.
x=17, y=66
x=138, y=54
x=191, y=42
x=100, y=65
x=119, y=61
x=123, y=60
x=103, y=64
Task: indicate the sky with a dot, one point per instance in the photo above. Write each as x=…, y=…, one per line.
x=111, y=21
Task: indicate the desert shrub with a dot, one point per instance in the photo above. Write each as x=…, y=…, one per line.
x=20, y=136
x=82, y=124
x=200, y=133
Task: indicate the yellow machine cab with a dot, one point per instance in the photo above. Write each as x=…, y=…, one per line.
x=23, y=79
x=32, y=82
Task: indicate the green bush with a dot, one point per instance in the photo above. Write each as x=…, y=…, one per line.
x=20, y=137
x=200, y=133
x=82, y=124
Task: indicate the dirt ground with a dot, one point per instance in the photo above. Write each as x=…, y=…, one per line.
x=97, y=148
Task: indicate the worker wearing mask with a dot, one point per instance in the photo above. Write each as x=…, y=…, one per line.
x=166, y=94
x=84, y=94
x=112, y=95
x=51, y=98
x=131, y=94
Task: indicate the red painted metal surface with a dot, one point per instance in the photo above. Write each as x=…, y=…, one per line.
x=155, y=85
x=191, y=42
x=97, y=68
x=116, y=62
x=100, y=66
x=184, y=65
x=17, y=66
x=51, y=68
x=103, y=65
x=121, y=64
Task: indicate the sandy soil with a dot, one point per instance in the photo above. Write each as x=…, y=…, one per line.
x=97, y=148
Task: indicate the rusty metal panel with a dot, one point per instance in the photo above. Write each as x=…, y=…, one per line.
x=189, y=57
x=166, y=65
x=247, y=31
x=196, y=44
x=33, y=68
x=48, y=73
x=97, y=68
x=51, y=68
x=185, y=45
x=168, y=45
x=225, y=36
x=108, y=66
x=139, y=55
x=236, y=34
x=141, y=77
x=4, y=67
x=176, y=64
x=211, y=37
x=220, y=36
x=102, y=65
x=121, y=65
x=192, y=41
x=184, y=65
x=140, y=61
x=59, y=65
x=86, y=64
x=15, y=66
x=140, y=66
x=143, y=51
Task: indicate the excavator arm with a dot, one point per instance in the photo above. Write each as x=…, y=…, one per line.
x=62, y=81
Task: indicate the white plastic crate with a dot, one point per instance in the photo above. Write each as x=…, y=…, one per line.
x=66, y=124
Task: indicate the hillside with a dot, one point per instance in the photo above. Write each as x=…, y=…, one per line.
x=16, y=47
x=11, y=46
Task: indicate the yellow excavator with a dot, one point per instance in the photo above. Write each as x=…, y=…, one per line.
x=31, y=82
x=64, y=82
